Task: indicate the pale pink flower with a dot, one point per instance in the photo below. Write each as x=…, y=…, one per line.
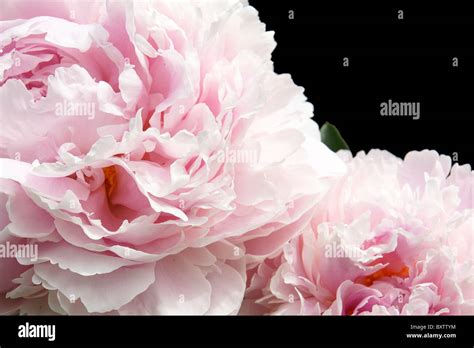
x=392, y=236
x=150, y=152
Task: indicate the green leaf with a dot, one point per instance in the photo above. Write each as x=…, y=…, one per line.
x=332, y=138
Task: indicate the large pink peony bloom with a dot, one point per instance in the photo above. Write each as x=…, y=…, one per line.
x=391, y=237
x=149, y=151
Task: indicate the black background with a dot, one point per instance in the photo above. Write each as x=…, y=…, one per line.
x=217, y=331
x=407, y=60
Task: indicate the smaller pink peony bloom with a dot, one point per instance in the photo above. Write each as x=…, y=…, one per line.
x=391, y=237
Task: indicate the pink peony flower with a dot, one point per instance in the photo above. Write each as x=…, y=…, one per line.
x=390, y=237
x=149, y=151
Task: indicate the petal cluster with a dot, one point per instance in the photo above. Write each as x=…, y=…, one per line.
x=391, y=237
x=149, y=152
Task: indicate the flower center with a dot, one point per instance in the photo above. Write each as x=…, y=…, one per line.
x=384, y=272
x=110, y=180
